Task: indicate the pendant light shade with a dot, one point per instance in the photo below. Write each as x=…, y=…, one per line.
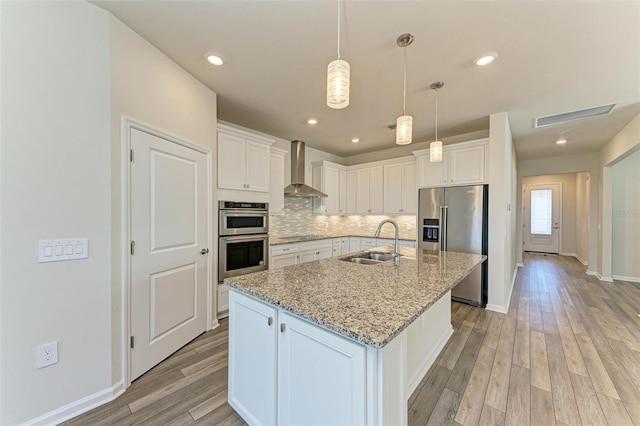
x=404, y=124
x=435, y=152
x=338, y=76
x=435, y=148
x=404, y=128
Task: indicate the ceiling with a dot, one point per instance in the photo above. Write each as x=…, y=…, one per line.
x=554, y=57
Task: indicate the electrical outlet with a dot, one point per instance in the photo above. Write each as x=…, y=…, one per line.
x=46, y=354
x=408, y=227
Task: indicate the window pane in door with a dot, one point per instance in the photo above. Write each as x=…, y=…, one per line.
x=541, y=211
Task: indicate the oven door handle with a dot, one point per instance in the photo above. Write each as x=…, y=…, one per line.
x=240, y=238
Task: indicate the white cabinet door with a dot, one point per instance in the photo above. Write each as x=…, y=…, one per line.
x=276, y=181
x=324, y=364
x=466, y=165
x=231, y=162
x=257, y=167
x=324, y=253
x=432, y=174
x=354, y=244
x=342, y=202
x=376, y=183
x=409, y=188
x=252, y=359
x=282, y=260
x=351, y=191
x=307, y=256
x=344, y=242
x=393, y=188
x=332, y=189
x=368, y=243
x=362, y=191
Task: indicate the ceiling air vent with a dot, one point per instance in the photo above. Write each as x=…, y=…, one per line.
x=574, y=115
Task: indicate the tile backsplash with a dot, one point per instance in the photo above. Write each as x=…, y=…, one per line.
x=298, y=219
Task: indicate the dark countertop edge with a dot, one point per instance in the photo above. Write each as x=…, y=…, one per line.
x=343, y=332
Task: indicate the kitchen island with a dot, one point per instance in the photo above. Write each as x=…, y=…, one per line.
x=335, y=342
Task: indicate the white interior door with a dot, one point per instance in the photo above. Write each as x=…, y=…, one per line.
x=541, y=218
x=169, y=228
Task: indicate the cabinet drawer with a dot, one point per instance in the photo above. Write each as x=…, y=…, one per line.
x=284, y=249
x=316, y=245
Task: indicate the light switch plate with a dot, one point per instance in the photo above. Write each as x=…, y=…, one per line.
x=67, y=249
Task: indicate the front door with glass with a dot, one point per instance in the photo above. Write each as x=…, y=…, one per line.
x=541, y=218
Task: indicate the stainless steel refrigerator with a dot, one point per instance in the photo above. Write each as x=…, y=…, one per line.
x=455, y=219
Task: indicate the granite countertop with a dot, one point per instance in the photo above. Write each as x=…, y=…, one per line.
x=368, y=303
x=275, y=240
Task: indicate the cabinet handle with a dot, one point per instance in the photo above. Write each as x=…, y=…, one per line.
x=286, y=249
x=317, y=252
x=269, y=321
x=247, y=185
x=282, y=327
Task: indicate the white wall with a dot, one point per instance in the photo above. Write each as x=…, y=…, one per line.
x=55, y=184
x=626, y=218
x=149, y=87
x=623, y=144
x=557, y=165
x=583, y=190
x=61, y=177
x=568, y=229
x=502, y=173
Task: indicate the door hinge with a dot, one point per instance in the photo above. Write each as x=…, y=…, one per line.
x=131, y=342
x=133, y=246
x=131, y=156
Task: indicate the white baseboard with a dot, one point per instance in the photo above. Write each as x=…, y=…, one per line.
x=496, y=308
x=581, y=260
x=214, y=324
x=591, y=272
x=623, y=278
x=78, y=407
x=568, y=254
x=520, y=264
x=605, y=279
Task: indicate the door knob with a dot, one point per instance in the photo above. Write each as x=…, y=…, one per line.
x=204, y=251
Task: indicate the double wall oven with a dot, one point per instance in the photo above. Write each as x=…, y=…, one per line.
x=243, y=243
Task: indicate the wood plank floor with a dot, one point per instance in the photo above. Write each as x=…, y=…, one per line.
x=567, y=353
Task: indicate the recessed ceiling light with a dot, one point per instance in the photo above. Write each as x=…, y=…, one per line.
x=312, y=121
x=214, y=59
x=355, y=140
x=561, y=141
x=485, y=58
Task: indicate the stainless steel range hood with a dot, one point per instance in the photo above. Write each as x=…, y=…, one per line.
x=297, y=187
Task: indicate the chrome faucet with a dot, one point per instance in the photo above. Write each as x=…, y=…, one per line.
x=396, y=249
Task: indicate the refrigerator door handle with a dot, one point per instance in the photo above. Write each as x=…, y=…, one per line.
x=446, y=227
x=443, y=228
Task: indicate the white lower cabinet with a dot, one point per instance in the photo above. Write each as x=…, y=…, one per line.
x=313, y=362
x=252, y=359
x=368, y=243
x=315, y=250
x=286, y=371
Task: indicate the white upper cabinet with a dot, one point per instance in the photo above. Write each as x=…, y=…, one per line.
x=466, y=165
x=326, y=178
x=276, y=180
x=369, y=182
x=243, y=160
x=462, y=164
x=352, y=176
x=400, y=190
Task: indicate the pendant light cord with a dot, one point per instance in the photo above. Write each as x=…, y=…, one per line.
x=436, y=114
x=404, y=83
x=338, y=29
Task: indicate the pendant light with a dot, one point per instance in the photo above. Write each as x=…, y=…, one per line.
x=338, y=75
x=435, y=148
x=404, y=124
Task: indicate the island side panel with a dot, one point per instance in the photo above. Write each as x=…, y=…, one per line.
x=395, y=370
x=426, y=338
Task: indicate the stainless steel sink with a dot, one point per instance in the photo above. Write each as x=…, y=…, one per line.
x=363, y=261
x=368, y=258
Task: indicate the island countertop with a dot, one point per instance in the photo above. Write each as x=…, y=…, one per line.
x=368, y=303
